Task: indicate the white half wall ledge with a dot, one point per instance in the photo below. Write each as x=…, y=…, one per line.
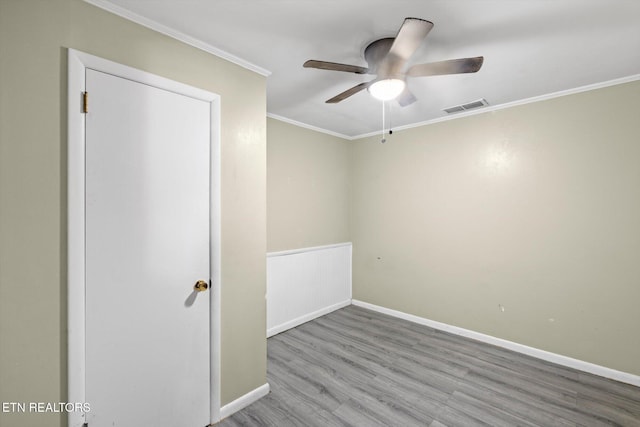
x=309, y=249
x=558, y=359
x=244, y=401
x=306, y=283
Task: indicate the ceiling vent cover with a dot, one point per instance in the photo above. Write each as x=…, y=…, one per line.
x=468, y=106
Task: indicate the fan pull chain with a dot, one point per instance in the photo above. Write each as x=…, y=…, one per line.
x=383, y=140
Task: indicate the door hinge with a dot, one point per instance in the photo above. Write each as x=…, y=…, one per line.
x=85, y=102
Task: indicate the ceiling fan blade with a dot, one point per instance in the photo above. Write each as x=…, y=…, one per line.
x=334, y=66
x=410, y=36
x=347, y=93
x=406, y=98
x=451, y=66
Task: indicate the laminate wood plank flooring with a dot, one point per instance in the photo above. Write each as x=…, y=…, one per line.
x=356, y=367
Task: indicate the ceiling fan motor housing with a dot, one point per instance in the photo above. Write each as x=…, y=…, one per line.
x=375, y=53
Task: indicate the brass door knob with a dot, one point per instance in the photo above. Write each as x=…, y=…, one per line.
x=201, y=286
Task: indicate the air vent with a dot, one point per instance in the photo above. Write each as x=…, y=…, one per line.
x=468, y=106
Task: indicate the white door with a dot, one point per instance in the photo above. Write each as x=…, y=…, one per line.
x=147, y=244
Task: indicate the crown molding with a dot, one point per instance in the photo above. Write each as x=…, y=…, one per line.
x=308, y=126
x=163, y=29
x=531, y=100
x=497, y=107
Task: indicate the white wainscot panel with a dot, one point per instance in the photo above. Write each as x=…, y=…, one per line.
x=306, y=283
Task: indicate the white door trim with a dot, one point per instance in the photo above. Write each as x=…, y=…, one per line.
x=78, y=62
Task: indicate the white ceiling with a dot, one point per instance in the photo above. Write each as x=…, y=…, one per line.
x=531, y=48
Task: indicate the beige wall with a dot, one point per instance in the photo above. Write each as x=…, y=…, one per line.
x=308, y=187
x=34, y=35
x=535, y=208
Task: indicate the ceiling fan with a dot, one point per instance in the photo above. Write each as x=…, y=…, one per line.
x=387, y=59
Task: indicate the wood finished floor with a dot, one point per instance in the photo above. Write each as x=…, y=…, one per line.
x=356, y=367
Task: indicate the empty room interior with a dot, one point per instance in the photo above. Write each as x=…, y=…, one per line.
x=356, y=213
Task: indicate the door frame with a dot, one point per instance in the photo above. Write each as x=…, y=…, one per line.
x=78, y=62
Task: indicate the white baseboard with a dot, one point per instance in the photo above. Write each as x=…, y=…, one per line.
x=520, y=348
x=303, y=319
x=244, y=401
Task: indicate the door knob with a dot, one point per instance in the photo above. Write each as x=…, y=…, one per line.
x=201, y=286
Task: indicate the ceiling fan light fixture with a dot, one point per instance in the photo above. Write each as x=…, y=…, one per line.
x=387, y=89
